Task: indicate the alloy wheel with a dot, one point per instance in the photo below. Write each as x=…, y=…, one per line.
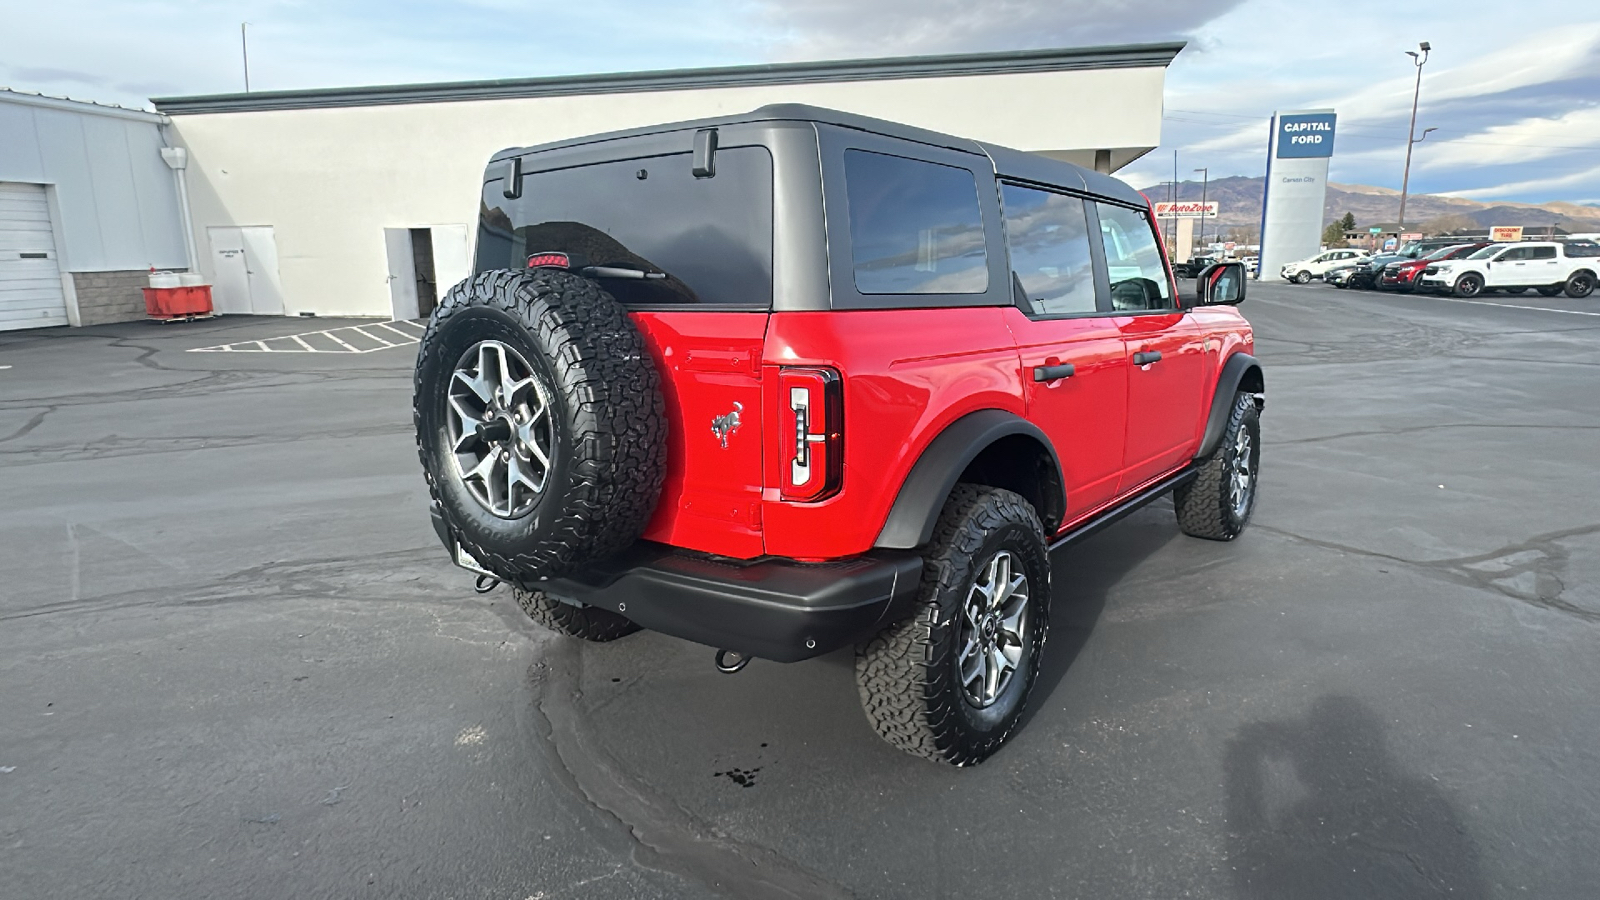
x=501, y=435
x=1241, y=478
x=994, y=629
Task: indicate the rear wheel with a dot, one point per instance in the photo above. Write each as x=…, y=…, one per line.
x=1217, y=503
x=1580, y=285
x=1469, y=285
x=950, y=683
x=1549, y=291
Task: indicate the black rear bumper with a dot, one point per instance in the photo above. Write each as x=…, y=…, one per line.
x=775, y=609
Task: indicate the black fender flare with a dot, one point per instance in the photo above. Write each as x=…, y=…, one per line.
x=1233, y=373
x=922, y=496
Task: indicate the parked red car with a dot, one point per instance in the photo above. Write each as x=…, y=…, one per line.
x=1403, y=276
x=797, y=380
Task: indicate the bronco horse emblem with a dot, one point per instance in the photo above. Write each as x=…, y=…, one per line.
x=727, y=424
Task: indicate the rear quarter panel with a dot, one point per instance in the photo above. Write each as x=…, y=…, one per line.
x=907, y=375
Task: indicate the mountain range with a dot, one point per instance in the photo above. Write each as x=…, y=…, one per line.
x=1239, y=205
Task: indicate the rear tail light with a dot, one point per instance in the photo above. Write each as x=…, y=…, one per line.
x=549, y=261
x=811, y=433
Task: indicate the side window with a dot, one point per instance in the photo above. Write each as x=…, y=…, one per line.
x=1515, y=253
x=1133, y=260
x=915, y=227
x=1052, y=273
x=1542, y=253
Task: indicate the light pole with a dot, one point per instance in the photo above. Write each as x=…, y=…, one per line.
x=1419, y=60
x=1205, y=179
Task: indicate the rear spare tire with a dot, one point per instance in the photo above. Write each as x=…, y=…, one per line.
x=540, y=422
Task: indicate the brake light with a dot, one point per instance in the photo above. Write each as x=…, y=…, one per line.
x=811, y=433
x=549, y=261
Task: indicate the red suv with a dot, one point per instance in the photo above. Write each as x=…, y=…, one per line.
x=796, y=380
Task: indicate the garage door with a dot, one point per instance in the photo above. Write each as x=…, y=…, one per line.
x=30, y=281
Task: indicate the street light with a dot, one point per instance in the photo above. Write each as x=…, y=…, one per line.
x=1205, y=177
x=1419, y=60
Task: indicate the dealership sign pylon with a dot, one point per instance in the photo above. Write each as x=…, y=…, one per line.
x=1296, y=187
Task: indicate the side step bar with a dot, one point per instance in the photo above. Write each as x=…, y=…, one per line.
x=1132, y=504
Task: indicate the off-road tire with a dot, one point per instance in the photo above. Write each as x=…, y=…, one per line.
x=1580, y=285
x=1469, y=285
x=1204, y=504
x=1550, y=290
x=587, y=622
x=907, y=674
x=608, y=418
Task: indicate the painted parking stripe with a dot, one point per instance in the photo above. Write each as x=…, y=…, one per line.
x=345, y=339
x=1568, y=312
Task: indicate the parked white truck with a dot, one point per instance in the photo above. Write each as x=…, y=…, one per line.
x=1549, y=267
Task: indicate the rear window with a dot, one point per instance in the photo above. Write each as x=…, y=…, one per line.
x=915, y=227
x=1583, y=248
x=711, y=237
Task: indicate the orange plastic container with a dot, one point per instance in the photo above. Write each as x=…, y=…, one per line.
x=178, y=302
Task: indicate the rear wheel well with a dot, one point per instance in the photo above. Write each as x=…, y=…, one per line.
x=1020, y=464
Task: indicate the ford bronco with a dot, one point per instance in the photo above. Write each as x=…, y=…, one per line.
x=797, y=380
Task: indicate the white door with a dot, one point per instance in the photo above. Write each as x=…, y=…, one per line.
x=30, y=276
x=452, y=261
x=245, y=261
x=402, y=273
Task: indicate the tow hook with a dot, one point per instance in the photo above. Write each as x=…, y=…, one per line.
x=485, y=584
x=739, y=661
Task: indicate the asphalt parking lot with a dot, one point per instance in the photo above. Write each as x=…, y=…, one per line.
x=234, y=661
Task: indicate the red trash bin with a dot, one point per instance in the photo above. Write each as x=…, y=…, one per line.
x=178, y=302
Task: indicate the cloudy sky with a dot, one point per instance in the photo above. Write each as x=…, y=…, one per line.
x=1514, y=88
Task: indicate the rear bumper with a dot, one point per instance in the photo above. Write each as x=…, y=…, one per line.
x=775, y=609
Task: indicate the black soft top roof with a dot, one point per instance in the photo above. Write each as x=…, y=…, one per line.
x=1008, y=163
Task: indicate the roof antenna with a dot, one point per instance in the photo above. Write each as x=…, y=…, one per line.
x=244, y=48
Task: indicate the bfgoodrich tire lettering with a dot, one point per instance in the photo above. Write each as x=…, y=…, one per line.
x=910, y=675
x=607, y=435
x=1209, y=505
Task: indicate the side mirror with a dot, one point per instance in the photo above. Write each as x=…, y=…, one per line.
x=1220, y=284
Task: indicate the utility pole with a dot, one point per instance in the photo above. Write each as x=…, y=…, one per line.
x=244, y=48
x=1205, y=180
x=1419, y=60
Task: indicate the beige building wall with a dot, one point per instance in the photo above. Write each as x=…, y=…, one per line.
x=330, y=180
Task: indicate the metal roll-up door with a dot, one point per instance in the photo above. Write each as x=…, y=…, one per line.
x=30, y=277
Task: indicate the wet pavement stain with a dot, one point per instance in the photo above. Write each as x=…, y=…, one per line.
x=741, y=777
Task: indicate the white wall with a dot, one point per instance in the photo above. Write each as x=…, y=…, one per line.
x=330, y=180
x=116, y=199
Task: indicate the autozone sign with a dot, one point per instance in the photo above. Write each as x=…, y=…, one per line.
x=1185, y=210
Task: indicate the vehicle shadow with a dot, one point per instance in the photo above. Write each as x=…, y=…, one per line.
x=1082, y=577
x=1316, y=807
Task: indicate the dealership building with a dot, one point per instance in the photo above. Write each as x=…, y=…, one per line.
x=362, y=201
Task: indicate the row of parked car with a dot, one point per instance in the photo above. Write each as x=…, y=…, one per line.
x=1442, y=265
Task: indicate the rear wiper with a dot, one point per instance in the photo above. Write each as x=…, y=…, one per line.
x=618, y=272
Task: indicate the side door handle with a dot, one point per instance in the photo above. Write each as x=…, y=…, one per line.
x=1051, y=373
x=1146, y=357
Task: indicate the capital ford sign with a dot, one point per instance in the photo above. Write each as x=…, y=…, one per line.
x=1305, y=136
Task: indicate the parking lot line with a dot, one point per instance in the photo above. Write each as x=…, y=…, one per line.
x=405, y=337
x=1569, y=312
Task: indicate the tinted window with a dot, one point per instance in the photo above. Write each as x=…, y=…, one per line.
x=1513, y=253
x=915, y=227
x=711, y=237
x=1582, y=248
x=1542, y=253
x=1133, y=260
x=1048, y=236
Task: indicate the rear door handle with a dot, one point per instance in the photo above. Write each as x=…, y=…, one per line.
x=1051, y=373
x=1146, y=357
